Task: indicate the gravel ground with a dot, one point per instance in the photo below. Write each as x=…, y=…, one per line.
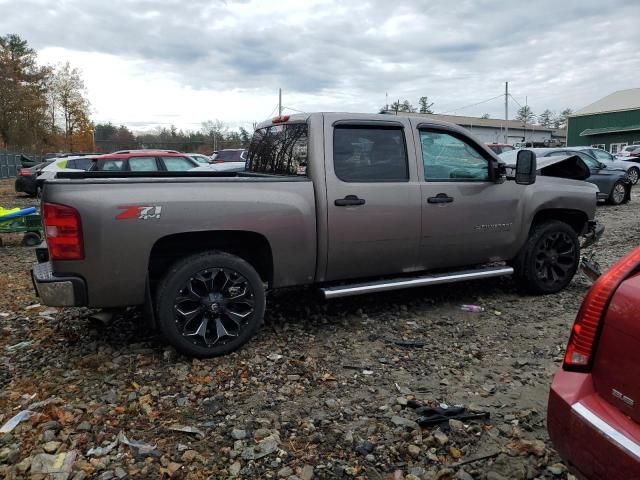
x=325, y=390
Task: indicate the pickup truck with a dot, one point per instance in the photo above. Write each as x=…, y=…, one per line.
x=350, y=203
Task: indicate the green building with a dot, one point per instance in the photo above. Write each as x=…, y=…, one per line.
x=611, y=123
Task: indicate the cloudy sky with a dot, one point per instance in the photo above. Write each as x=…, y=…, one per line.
x=162, y=62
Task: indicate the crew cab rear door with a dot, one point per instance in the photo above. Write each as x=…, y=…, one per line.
x=373, y=197
x=467, y=218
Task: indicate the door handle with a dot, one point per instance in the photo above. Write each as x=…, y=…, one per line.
x=348, y=201
x=440, y=198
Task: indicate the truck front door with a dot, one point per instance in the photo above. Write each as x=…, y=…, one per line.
x=467, y=218
x=373, y=198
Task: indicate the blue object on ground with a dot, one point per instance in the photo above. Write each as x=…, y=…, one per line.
x=19, y=213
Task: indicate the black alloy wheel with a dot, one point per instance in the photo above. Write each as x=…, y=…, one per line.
x=555, y=257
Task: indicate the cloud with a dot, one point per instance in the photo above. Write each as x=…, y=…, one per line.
x=329, y=55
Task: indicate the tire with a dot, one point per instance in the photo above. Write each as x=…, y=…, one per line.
x=549, y=259
x=31, y=239
x=618, y=193
x=193, y=304
x=633, y=174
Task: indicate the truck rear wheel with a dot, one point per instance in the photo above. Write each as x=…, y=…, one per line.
x=549, y=259
x=210, y=304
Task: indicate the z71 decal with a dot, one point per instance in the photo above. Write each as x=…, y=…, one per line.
x=139, y=212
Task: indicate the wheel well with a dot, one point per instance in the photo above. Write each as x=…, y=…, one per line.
x=250, y=246
x=575, y=218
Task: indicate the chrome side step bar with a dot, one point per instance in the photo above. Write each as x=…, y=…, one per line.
x=397, y=284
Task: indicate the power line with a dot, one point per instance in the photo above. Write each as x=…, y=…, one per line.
x=472, y=105
x=514, y=99
x=293, y=109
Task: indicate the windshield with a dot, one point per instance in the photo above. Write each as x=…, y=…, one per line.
x=279, y=150
x=601, y=154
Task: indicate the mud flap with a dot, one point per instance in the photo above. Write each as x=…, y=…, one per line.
x=588, y=264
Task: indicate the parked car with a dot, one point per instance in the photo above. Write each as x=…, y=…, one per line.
x=632, y=169
x=26, y=179
x=143, y=161
x=613, y=183
x=65, y=164
x=200, y=158
x=230, y=160
x=593, y=414
x=499, y=148
x=629, y=151
x=379, y=203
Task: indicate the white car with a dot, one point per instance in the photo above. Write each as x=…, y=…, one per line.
x=229, y=160
x=77, y=163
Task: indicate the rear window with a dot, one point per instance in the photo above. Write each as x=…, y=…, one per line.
x=230, y=156
x=279, y=150
x=177, y=164
x=114, y=165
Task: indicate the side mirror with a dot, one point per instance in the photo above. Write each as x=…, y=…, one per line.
x=526, y=167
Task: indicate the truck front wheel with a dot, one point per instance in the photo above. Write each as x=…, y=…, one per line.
x=210, y=304
x=549, y=259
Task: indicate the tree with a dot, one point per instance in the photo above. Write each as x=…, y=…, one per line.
x=485, y=116
x=525, y=114
x=245, y=137
x=23, y=102
x=425, y=105
x=546, y=118
x=215, y=131
x=405, y=106
x=69, y=94
x=560, y=121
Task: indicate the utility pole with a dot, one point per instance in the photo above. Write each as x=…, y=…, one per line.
x=387, y=101
x=506, y=112
x=279, y=102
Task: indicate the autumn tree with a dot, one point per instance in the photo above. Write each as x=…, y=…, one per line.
x=23, y=101
x=70, y=96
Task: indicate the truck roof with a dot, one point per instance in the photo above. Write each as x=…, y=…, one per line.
x=303, y=117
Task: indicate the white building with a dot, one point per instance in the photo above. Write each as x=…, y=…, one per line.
x=490, y=130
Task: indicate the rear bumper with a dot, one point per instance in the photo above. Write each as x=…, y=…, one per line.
x=58, y=291
x=25, y=184
x=590, y=434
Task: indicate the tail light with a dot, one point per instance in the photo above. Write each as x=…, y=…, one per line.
x=585, y=331
x=64, y=232
x=24, y=172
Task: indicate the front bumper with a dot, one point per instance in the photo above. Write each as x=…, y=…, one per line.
x=593, y=233
x=58, y=291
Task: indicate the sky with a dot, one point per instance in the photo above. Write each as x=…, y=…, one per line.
x=153, y=63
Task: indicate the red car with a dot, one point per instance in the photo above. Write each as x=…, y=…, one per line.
x=594, y=404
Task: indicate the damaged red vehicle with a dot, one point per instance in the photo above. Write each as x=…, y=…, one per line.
x=594, y=405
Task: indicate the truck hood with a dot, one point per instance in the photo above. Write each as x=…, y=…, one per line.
x=562, y=166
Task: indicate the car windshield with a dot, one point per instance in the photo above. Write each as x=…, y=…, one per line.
x=279, y=150
x=230, y=156
x=601, y=154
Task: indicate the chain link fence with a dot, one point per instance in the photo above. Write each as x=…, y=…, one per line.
x=11, y=162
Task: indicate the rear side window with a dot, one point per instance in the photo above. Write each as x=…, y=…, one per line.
x=279, y=150
x=82, y=163
x=177, y=164
x=111, y=165
x=370, y=154
x=143, y=164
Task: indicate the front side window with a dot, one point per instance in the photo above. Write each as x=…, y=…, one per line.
x=448, y=158
x=177, y=164
x=143, y=164
x=279, y=150
x=370, y=154
x=601, y=154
